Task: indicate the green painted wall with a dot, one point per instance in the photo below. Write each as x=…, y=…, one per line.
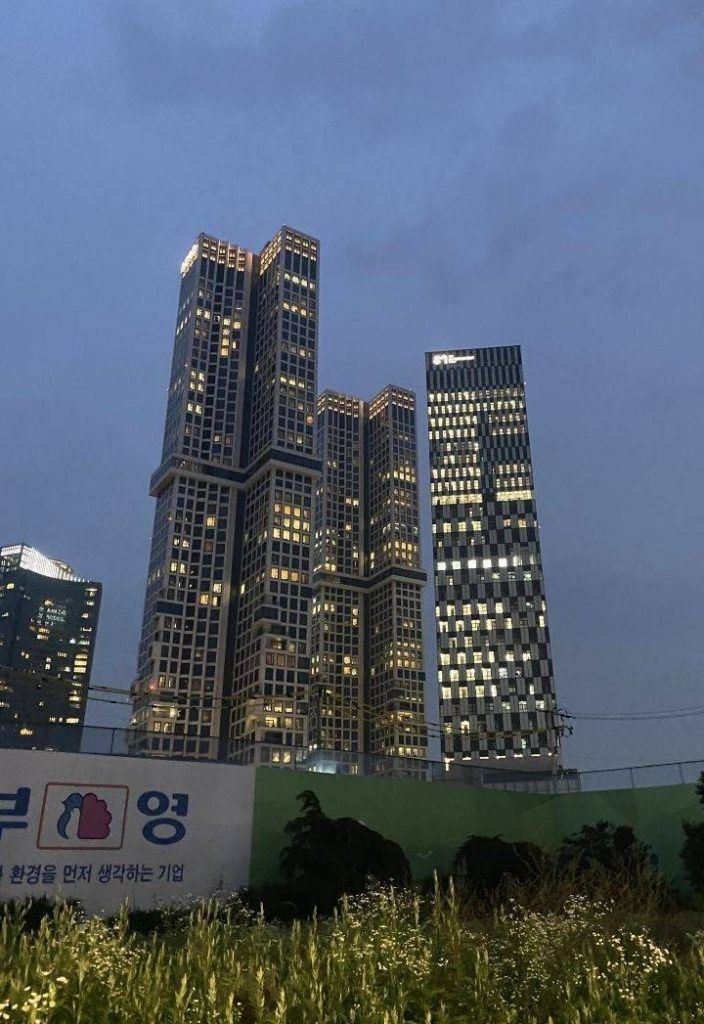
x=430, y=821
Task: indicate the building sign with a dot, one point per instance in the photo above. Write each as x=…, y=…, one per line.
x=103, y=830
x=449, y=359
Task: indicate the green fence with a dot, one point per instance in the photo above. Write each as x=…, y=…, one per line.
x=431, y=821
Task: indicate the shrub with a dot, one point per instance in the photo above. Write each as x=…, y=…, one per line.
x=692, y=853
x=612, y=851
x=29, y=914
x=330, y=857
x=483, y=864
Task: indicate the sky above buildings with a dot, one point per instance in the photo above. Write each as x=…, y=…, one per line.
x=479, y=173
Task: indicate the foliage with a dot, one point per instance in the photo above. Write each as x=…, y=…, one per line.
x=385, y=957
x=692, y=852
x=329, y=857
x=484, y=864
x=29, y=914
x=611, y=850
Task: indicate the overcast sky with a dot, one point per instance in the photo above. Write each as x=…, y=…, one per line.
x=480, y=172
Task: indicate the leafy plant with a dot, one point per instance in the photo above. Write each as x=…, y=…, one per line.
x=483, y=864
x=330, y=857
x=692, y=852
x=34, y=911
x=608, y=850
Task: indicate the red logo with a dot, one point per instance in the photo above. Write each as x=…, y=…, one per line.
x=79, y=816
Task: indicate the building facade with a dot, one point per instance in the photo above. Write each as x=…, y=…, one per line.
x=367, y=673
x=495, y=674
x=48, y=625
x=224, y=656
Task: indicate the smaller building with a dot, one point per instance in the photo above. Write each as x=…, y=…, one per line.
x=48, y=625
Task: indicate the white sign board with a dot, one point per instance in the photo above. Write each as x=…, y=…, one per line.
x=103, y=830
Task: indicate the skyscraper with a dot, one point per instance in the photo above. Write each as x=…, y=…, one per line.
x=48, y=624
x=367, y=678
x=497, y=695
x=225, y=641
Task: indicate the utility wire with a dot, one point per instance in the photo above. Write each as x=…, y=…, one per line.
x=335, y=700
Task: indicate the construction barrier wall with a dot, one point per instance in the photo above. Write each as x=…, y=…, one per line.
x=104, y=829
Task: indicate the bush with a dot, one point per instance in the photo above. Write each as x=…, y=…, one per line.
x=612, y=851
x=484, y=864
x=156, y=921
x=331, y=857
x=29, y=914
x=173, y=918
x=692, y=853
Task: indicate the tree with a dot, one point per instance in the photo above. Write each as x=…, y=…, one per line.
x=608, y=849
x=328, y=857
x=485, y=863
x=692, y=853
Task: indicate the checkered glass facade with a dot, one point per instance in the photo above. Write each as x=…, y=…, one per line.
x=495, y=674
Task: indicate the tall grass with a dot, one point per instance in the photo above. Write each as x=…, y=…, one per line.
x=385, y=958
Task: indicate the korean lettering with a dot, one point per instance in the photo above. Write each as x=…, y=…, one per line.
x=138, y=873
x=48, y=874
x=17, y=806
x=33, y=874
x=77, y=873
x=17, y=874
x=156, y=805
x=171, y=872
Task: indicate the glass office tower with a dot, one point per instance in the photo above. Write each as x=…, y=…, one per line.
x=495, y=674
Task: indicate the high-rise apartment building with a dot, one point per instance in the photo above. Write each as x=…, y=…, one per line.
x=495, y=675
x=224, y=657
x=48, y=625
x=367, y=673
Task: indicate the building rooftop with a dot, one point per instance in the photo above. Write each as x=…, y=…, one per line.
x=22, y=556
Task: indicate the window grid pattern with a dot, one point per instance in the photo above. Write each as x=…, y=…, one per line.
x=181, y=649
x=273, y=619
x=497, y=695
x=228, y=585
x=367, y=658
x=48, y=628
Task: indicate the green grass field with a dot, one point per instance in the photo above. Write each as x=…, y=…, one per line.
x=385, y=959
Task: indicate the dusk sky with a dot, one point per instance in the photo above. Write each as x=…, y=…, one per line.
x=479, y=173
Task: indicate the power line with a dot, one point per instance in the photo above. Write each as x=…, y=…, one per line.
x=335, y=700
x=655, y=716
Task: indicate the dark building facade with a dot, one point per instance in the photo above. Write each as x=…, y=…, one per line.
x=48, y=625
x=224, y=657
x=495, y=673
x=368, y=680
